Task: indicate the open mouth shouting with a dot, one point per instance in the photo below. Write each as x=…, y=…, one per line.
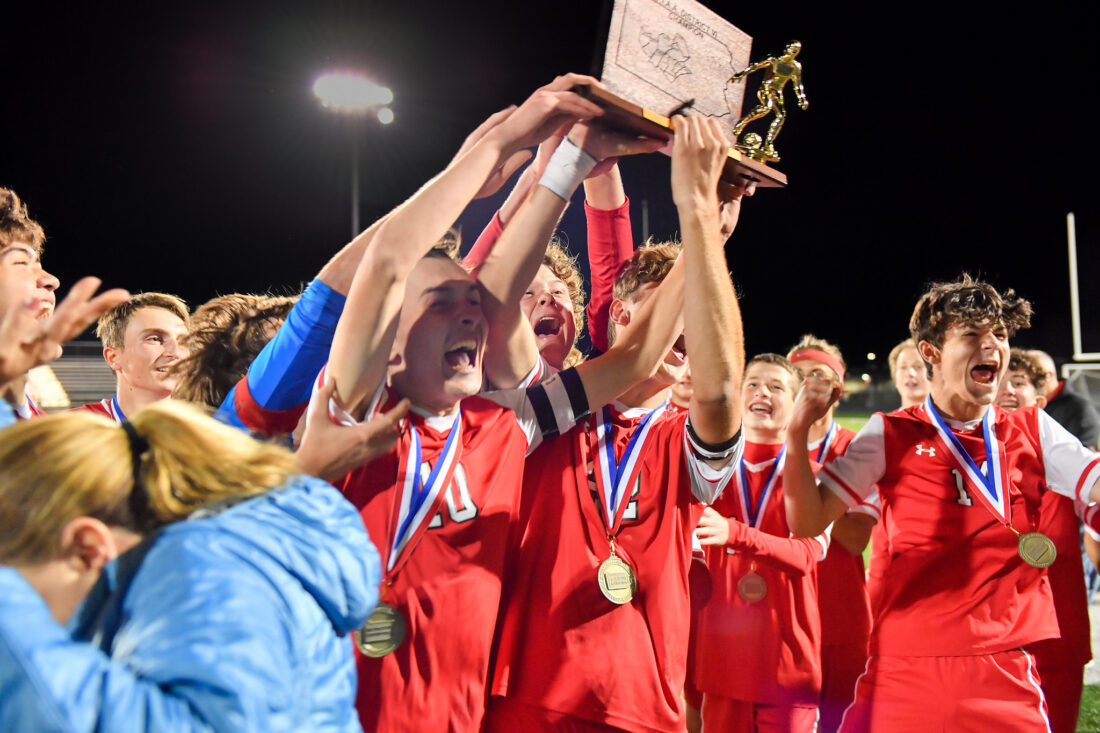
x=462, y=357
x=985, y=373
x=549, y=325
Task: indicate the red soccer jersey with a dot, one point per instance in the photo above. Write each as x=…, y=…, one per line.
x=841, y=580
x=776, y=640
x=565, y=647
x=1058, y=521
x=952, y=567
x=104, y=407
x=448, y=589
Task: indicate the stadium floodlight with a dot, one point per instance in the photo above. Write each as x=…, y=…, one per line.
x=345, y=91
x=353, y=93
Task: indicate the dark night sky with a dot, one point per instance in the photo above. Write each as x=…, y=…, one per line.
x=181, y=149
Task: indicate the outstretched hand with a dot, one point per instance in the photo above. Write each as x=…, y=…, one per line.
x=332, y=451
x=26, y=342
x=699, y=152
x=713, y=529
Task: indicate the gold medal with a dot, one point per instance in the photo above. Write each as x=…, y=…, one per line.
x=382, y=633
x=752, y=587
x=1036, y=549
x=617, y=581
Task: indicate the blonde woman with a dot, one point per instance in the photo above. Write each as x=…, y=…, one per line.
x=231, y=620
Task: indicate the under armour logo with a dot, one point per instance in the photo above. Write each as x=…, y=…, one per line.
x=930, y=450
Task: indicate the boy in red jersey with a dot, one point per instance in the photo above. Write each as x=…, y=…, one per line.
x=841, y=580
x=441, y=505
x=909, y=372
x=595, y=629
x=763, y=606
x=142, y=342
x=1061, y=661
x=963, y=590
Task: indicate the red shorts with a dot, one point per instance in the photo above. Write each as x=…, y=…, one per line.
x=726, y=715
x=508, y=716
x=841, y=666
x=969, y=694
x=1062, y=687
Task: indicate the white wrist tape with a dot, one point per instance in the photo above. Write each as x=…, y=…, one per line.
x=568, y=166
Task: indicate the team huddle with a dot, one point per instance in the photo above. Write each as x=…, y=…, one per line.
x=418, y=506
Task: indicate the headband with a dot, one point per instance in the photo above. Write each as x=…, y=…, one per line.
x=816, y=355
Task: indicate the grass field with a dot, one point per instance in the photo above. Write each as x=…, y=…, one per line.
x=1089, y=722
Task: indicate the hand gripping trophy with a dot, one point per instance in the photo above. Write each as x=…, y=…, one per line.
x=778, y=71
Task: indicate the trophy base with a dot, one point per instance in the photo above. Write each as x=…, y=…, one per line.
x=622, y=115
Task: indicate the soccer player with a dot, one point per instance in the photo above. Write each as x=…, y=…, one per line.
x=1061, y=661
x=21, y=242
x=963, y=591
x=763, y=607
x=910, y=373
x=595, y=631
x=142, y=341
x=1073, y=411
x=841, y=579
x=441, y=505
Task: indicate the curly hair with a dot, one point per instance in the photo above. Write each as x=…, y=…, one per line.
x=16, y=225
x=650, y=263
x=1022, y=360
x=564, y=267
x=225, y=334
x=966, y=301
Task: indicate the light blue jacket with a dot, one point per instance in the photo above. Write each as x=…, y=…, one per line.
x=232, y=622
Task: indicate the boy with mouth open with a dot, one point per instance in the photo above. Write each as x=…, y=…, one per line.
x=594, y=635
x=763, y=606
x=441, y=505
x=960, y=481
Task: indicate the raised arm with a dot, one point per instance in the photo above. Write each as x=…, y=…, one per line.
x=610, y=244
x=810, y=508
x=511, y=350
x=361, y=346
x=712, y=318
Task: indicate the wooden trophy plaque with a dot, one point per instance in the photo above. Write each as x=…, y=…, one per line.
x=668, y=56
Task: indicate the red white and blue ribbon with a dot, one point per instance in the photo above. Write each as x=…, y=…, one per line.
x=991, y=489
x=615, y=478
x=752, y=518
x=115, y=410
x=420, y=499
x=826, y=442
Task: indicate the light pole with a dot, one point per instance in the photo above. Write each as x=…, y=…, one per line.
x=351, y=93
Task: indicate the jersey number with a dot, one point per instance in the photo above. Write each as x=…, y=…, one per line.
x=964, y=497
x=459, y=511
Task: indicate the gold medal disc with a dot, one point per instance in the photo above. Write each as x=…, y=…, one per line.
x=752, y=588
x=617, y=581
x=1036, y=549
x=383, y=632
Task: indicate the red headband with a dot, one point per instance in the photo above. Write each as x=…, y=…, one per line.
x=824, y=357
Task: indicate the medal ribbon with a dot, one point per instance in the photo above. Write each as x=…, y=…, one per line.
x=116, y=411
x=615, y=478
x=420, y=500
x=826, y=442
x=991, y=490
x=753, y=517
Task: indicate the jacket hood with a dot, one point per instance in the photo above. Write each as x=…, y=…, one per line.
x=312, y=531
